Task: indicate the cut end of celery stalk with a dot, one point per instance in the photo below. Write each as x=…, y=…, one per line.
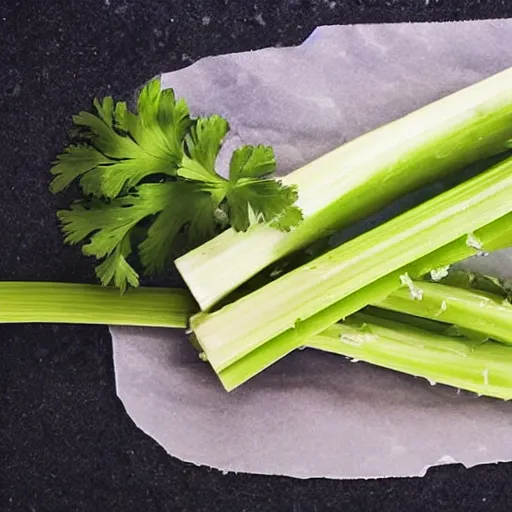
x=340, y=187
x=481, y=368
x=259, y=241
x=25, y=302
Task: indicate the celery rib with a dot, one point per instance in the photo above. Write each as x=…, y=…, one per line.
x=359, y=178
x=24, y=302
x=481, y=368
x=496, y=235
x=240, y=327
x=479, y=311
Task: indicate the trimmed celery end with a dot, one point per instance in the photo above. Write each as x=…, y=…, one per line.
x=24, y=302
x=479, y=311
x=250, y=334
x=482, y=368
x=359, y=178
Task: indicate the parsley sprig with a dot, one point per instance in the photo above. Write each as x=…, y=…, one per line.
x=150, y=186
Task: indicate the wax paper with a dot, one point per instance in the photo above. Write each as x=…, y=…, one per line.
x=315, y=414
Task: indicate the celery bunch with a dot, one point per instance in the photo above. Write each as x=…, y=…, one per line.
x=253, y=332
x=151, y=190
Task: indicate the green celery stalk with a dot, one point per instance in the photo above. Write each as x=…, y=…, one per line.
x=360, y=178
x=287, y=301
x=482, y=368
x=495, y=236
x=244, y=337
x=23, y=302
x=483, y=312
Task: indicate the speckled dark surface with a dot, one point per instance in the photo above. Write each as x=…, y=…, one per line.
x=66, y=443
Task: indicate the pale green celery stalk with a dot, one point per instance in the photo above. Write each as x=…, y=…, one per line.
x=482, y=312
x=23, y=302
x=481, y=368
x=360, y=178
x=244, y=337
x=241, y=326
x=495, y=236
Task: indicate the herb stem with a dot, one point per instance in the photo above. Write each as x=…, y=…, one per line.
x=40, y=302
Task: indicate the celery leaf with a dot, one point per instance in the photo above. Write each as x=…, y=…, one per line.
x=252, y=162
x=151, y=185
x=186, y=206
x=250, y=195
x=123, y=148
x=266, y=200
x=252, y=192
x=107, y=227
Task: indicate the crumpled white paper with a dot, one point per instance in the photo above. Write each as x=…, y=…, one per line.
x=316, y=414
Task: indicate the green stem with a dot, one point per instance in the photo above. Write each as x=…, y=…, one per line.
x=284, y=305
x=23, y=302
x=495, y=236
x=479, y=311
x=481, y=368
x=457, y=362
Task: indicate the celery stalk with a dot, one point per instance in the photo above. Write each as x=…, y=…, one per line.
x=482, y=368
x=360, y=178
x=248, y=335
x=495, y=236
x=479, y=311
x=22, y=302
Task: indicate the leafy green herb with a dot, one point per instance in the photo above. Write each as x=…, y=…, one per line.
x=250, y=196
x=119, y=149
x=154, y=171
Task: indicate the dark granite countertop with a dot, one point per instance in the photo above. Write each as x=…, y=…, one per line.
x=66, y=443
